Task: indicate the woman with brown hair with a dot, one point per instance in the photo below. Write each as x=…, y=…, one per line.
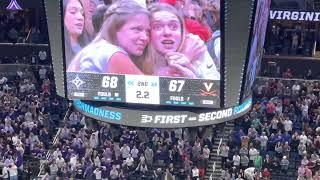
x=120, y=46
x=73, y=28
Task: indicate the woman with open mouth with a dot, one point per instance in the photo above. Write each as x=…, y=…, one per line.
x=170, y=47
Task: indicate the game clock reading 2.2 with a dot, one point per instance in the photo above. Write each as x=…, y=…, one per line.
x=144, y=89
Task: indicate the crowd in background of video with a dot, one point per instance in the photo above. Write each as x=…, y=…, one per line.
x=172, y=38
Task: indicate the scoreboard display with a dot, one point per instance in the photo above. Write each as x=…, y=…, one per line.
x=156, y=63
x=141, y=89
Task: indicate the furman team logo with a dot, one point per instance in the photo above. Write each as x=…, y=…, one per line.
x=77, y=82
x=208, y=90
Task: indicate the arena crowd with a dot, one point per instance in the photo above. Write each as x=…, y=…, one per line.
x=88, y=149
x=280, y=134
x=28, y=108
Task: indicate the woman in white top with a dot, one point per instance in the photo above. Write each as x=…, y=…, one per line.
x=120, y=46
x=195, y=173
x=5, y=174
x=13, y=171
x=97, y=172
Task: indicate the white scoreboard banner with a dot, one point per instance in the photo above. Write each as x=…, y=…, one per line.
x=142, y=89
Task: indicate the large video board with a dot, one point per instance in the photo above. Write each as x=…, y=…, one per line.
x=175, y=84
x=143, y=53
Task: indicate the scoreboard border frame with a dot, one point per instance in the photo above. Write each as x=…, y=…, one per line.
x=221, y=88
x=222, y=53
x=249, y=47
x=63, y=48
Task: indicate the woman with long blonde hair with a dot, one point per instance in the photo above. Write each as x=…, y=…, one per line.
x=120, y=46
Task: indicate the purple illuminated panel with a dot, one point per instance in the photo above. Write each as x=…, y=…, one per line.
x=14, y=5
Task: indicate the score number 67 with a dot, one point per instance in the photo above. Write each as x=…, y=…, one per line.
x=176, y=85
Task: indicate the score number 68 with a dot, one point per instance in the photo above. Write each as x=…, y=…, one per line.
x=110, y=82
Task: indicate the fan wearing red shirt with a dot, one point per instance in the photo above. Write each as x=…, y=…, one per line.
x=192, y=23
x=266, y=174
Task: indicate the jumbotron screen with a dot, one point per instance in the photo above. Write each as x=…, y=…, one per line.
x=153, y=63
x=134, y=52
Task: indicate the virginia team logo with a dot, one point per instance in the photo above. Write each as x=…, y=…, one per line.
x=77, y=82
x=208, y=90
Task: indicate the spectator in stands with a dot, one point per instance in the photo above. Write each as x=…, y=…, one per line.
x=13, y=35
x=125, y=151
x=42, y=55
x=263, y=142
x=168, y=175
x=249, y=173
x=224, y=153
x=35, y=35
x=287, y=73
x=5, y=172
x=42, y=73
x=3, y=80
x=308, y=173
x=142, y=168
x=309, y=75
x=296, y=89
x=13, y=172
x=195, y=173
x=236, y=161
x=258, y=162
x=149, y=155
x=206, y=154
x=244, y=161
x=316, y=176
x=253, y=153
x=157, y=174
x=53, y=170
x=266, y=174
x=114, y=174
x=295, y=40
